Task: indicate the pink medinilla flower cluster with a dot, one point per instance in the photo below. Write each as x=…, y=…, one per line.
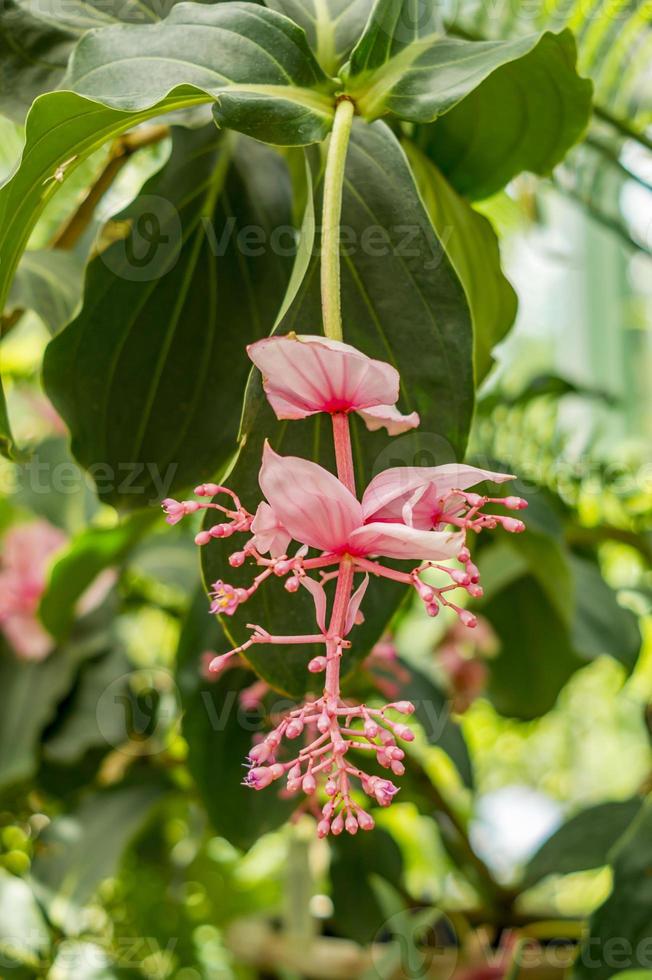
x=422, y=514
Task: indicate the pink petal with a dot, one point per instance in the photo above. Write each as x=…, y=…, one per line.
x=28, y=639
x=318, y=593
x=354, y=605
x=400, y=541
x=269, y=534
x=311, y=503
x=303, y=375
x=390, y=417
x=421, y=487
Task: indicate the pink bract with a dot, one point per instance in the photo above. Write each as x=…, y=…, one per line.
x=304, y=375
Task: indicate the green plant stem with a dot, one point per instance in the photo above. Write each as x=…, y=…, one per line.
x=332, y=213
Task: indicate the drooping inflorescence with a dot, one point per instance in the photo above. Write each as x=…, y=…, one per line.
x=422, y=514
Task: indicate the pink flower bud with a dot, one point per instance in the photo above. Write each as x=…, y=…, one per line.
x=515, y=503
x=464, y=555
x=402, y=731
x=277, y=770
x=283, y=567
x=337, y=825
x=207, y=490
x=371, y=729
x=468, y=619
x=432, y=609
x=259, y=777
x=512, y=525
x=294, y=729
x=461, y=578
x=330, y=788
x=202, y=538
x=260, y=753
x=475, y=591
x=317, y=665
x=309, y=784
x=397, y=767
x=292, y=584
x=323, y=828
x=403, y=707
x=327, y=809
x=365, y=820
x=386, y=737
x=351, y=824
x=237, y=559
x=323, y=724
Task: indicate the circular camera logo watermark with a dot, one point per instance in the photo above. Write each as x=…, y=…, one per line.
x=421, y=943
x=415, y=449
x=152, y=243
x=137, y=709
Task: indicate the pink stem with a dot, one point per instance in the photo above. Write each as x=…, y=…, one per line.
x=343, y=452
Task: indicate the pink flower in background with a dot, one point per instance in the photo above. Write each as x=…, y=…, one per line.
x=304, y=375
x=421, y=514
x=27, y=551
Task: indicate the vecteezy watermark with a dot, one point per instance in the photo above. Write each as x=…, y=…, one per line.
x=41, y=476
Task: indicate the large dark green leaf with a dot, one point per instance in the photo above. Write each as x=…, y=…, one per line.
x=49, y=282
x=220, y=733
x=472, y=247
x=525, y=116
x=553, y=612
x=536, y=655
x=355, y=862
x=402, y=302
x=149, y=377
x=433, y=712
x=403, y=65
x=332, y=26
x=583, y=842
x=29, y=695
x=33, y=58
x=600, y=624
x=255, y=63
x=79, y=16
x=78, y=850
x=620, y=930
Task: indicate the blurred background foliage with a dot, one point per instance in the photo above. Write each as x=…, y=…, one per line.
x=127, y=847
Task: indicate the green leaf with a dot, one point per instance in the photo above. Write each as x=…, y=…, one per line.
x=525, y=116
x=79, y=16
x=255, y=63
x=33, y=56
x=332, y=26
x=620, y=930
x=79, y=850
x=220, y=733
x=149, y=377
x=472, y=247
x=8, y=446
x=355, y=862
x=433, y=712
x=583, y=842
x=600, y=624
x=50, y=283
x=403, y=303
x=91, y=552
x=95, y=715
x=536, y=655
x=24, y=934
x=29, y=695
x=403, y=65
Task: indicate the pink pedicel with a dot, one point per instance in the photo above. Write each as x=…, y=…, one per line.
x=421, y=514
